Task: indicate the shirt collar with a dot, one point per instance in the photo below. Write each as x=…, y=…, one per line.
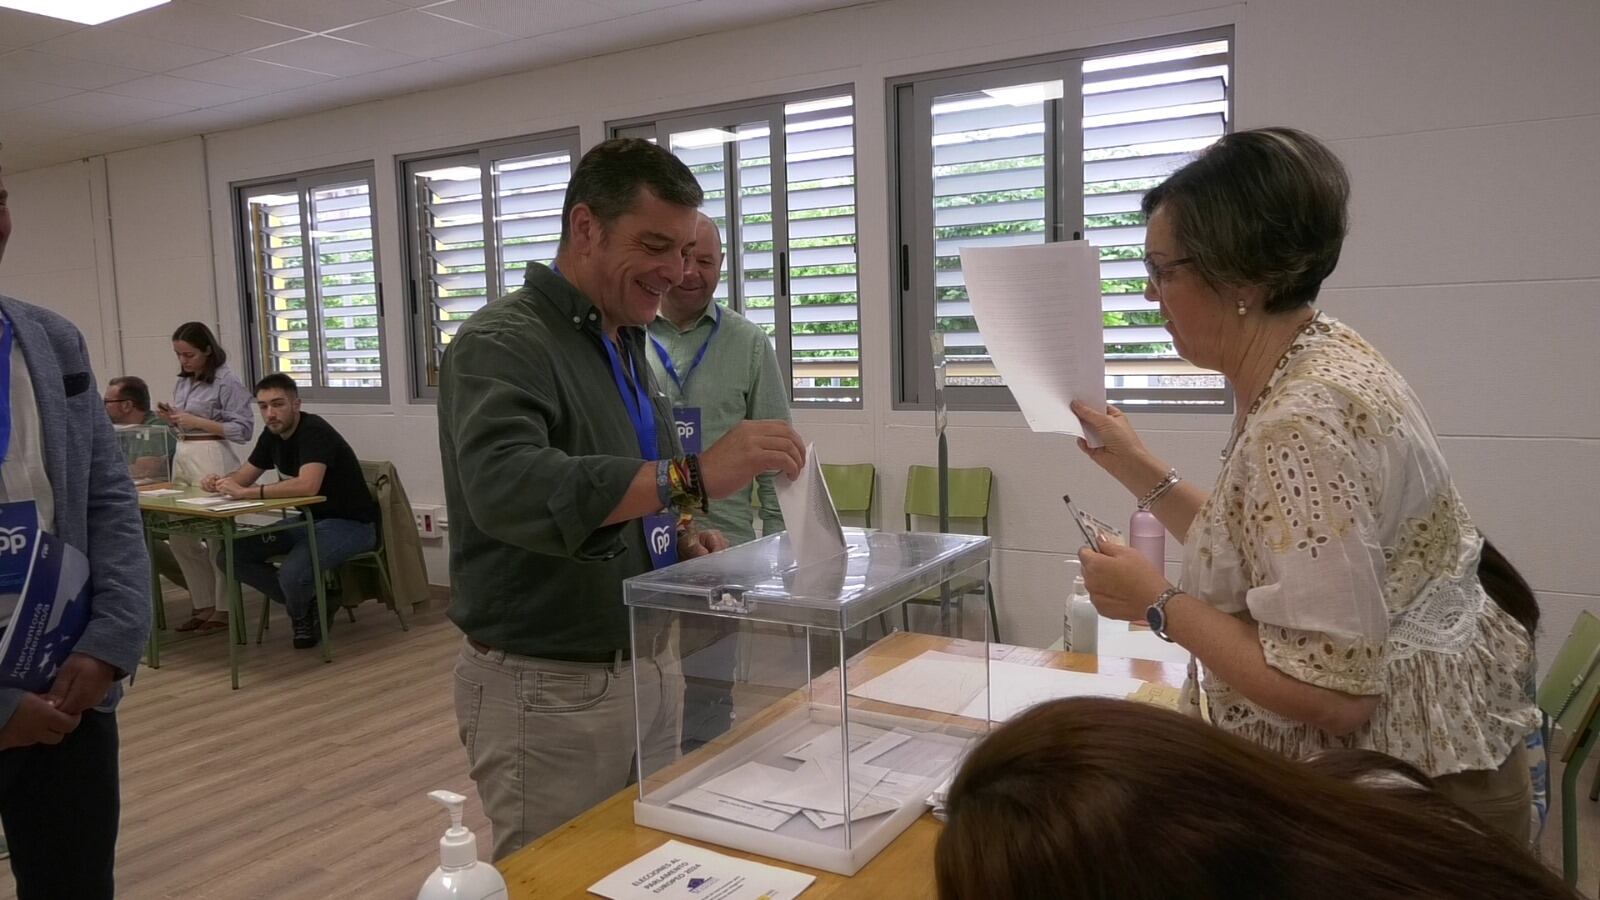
x=569, y=302
x=707, y=314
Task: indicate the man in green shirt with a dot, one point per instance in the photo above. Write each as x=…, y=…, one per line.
x=559, y=453
x=128, y=404
x=718, y=369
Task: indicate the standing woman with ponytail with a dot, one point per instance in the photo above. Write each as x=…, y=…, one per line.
x=211, y=411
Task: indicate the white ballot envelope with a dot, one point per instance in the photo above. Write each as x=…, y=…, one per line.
x=1038, y=308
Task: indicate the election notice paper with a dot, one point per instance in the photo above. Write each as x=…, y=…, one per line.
x=679, y=871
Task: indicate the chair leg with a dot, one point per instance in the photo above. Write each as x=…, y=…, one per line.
x=1569, y=810
x=266, y=611
x=994, y=614
x=388, y=589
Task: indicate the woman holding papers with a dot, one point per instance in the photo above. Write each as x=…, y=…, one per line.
x=212, y=410
x=1091, y=798
x=1330, y=588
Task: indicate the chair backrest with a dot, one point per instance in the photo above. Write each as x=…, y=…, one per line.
x=969, y=493
x=1571, y=688
x=852, y=487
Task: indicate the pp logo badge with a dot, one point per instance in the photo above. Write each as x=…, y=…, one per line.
x=13, y=540
x=661, y=539
x=685, y=430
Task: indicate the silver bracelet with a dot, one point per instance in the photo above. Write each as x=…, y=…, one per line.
x=1160, y=490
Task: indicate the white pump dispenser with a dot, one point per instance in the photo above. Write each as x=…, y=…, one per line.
x=460, y=876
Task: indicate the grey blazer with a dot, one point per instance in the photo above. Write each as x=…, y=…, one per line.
x=96, y=506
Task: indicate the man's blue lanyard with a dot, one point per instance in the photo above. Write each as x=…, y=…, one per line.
x=5, y=386
x=666, y=358
x=636, y=397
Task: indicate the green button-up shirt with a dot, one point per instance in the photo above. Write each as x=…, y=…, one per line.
x=737, y=380
x=538, y=449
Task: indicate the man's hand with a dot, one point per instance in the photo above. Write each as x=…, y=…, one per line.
x=693, y=543
x=36, y=721
x=209, y=483
x=749, y=449
x=82, y=683
x=233, y=489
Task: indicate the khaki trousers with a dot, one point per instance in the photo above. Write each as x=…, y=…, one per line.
x=1500, y=797
x=547, y=739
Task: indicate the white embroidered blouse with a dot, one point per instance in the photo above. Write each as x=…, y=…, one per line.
x=1334, y=525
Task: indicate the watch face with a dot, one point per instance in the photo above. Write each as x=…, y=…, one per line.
x=1155, y=619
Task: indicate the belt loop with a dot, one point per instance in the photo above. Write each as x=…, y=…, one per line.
x=616, y=664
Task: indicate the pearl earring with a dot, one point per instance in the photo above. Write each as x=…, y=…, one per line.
x=1241, y=307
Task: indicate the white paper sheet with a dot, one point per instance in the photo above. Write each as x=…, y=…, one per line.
x=921, y=758
x=943, y=682
x=211, y=500
x=733, y=809
x=808, y=513
x=1014, y=687
x=819, y=785
x=887, y=796
x=242, y=504
x=161, y=492
x=1038, y=308
x=679, y=871
x=866, y=742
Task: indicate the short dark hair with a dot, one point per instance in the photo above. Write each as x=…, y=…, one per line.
x=609, y=176
x=278, y=381
x=133, y=389
x=1265, y=207
x=198, y=335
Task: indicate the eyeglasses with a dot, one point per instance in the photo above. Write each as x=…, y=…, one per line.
x=119, y=400
x=1161, y=272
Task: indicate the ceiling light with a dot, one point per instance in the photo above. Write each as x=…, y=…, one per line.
x=1027, y=94
x=85, y=12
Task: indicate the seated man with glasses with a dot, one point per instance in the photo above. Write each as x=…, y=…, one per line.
x=127, y=402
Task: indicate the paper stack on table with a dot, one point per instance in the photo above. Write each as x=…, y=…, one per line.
x=679, y=871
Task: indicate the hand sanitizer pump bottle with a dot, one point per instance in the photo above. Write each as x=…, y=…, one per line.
x=461, y=875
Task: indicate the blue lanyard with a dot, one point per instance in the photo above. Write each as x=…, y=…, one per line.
x=666, y=358
x=636, y=398
x=5, y=386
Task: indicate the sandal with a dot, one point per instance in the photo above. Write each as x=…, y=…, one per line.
x=211, y=626
x=193, y=623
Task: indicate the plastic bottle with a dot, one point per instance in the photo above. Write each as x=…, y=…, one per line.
x=461, y=875
x=1081, y=627
x=1146, y=535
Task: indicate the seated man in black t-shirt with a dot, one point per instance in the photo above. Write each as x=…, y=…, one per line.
x=312, y=460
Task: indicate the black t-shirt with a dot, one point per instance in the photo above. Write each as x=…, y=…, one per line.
x=315, y=441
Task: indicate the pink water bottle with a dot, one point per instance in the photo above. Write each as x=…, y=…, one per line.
x=1146, y=535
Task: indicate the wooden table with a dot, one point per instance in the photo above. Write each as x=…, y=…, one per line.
x=165, y=516
x=566, y=861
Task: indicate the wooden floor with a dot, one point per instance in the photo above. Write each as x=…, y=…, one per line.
x=310, y=781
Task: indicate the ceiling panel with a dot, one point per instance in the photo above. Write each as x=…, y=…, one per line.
x=31, y=65
x=187, y=22
x=243, y=72
x=182, y=91
x=332, y=56
x=15, y=92
x=20, y=29
x=96, y=110
x=421, y=35
x=311, y=15
x=522, y=18
x=121, y=49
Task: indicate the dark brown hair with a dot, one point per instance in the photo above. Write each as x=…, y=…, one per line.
x=133, y=389
x=199, y=336
x=1266, y=207
x=1507, y=588
x=1095, y=799
x=609, y=176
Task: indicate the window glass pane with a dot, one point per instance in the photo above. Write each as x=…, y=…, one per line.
x=705, y=152
x=277, y=268
x=824, y=311
x=988, y=191
x=528, y=193
x=453, y=284
x=346, y=285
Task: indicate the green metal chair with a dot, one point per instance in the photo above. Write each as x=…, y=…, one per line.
x=1570, y=700
x=969, y=500
x=852, y=488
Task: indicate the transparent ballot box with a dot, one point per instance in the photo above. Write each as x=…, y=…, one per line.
x=773, y=698
x=147, y=449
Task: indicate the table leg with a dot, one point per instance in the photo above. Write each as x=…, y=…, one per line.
x=316, y=578
x=235, y=605
x=158, y=617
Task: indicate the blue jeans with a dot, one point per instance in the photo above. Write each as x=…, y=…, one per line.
x=291, y=583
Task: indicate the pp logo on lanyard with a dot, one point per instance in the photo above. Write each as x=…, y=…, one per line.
x=687, y=419
x=661, y=539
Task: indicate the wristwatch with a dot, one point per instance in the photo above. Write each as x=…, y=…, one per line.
x=1156, y=615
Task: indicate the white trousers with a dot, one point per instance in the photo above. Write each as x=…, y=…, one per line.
x=196, y=557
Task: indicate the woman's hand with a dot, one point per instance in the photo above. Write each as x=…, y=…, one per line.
x=169, y=414
x=1122, y=453
x=1121, y=582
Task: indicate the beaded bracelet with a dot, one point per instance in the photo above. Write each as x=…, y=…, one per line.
x=1160, y=490
x=698, y=482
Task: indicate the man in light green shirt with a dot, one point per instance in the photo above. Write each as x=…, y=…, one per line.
x=718, y=369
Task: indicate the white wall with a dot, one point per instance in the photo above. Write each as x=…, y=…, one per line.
x=1468, y=128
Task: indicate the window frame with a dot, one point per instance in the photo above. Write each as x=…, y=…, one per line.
x=773, y=109
x=420, y=307
x=909, y=112
x=303, y=185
